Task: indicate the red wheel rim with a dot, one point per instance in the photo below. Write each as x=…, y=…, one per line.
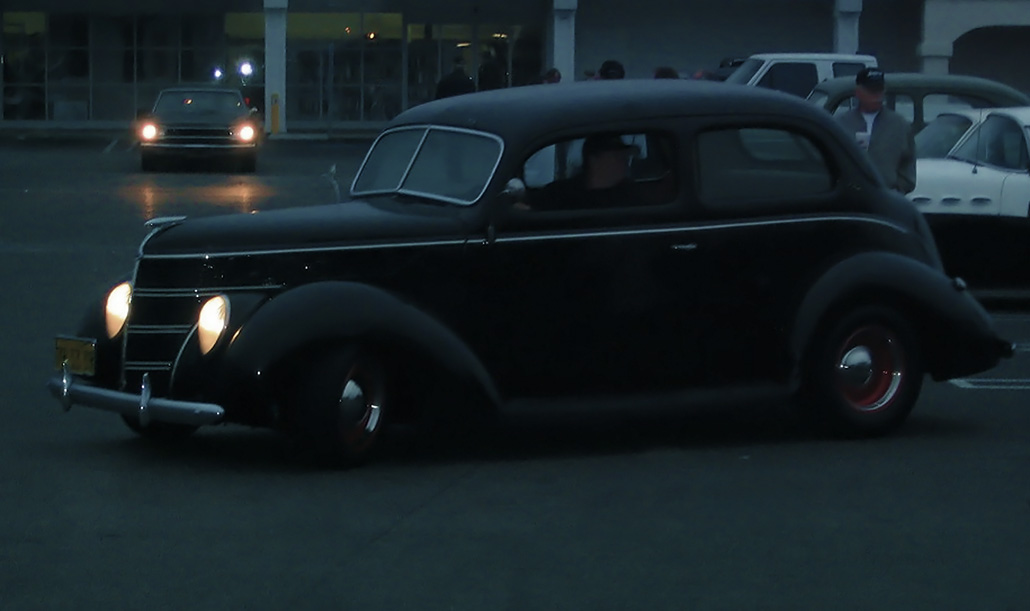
x=356, y=398
x=870, y=368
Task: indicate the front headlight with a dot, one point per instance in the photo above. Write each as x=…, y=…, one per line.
x=149, y=131
x=116, y=308
x=246, y=133
x=212, y=322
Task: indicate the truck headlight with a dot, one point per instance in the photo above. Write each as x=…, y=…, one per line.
x=212, y=322
x=116, y=309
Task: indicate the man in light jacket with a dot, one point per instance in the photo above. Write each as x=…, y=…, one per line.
x=883, y=133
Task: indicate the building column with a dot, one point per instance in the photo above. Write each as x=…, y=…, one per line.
x=275, y=65
x=845, y=26
x=936, y=56
x=562, y=50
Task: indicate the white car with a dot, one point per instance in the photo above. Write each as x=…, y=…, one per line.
x=987, y=172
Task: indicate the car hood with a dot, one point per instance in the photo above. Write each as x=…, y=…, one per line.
x=352, y=224
x=195, y=118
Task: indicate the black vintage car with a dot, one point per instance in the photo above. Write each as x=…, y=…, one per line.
x=203, y=123
x=622, y=241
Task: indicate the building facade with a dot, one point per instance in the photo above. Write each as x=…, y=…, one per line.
x=332, y=64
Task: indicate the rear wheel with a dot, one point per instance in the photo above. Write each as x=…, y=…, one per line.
x=864, y=372
x=338, y=406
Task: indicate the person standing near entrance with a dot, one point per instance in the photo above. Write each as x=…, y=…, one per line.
x=456, y=82
x=884, y=134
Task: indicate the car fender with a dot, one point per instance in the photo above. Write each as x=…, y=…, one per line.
x=943, y=313
x=322, y=312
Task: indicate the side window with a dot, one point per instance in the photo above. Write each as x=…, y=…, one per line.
x=793, y=77
x=746, y=165
x=939, y=136
x=936, y=103
x=998, y=142
x=902, y=104
x=847, y=68
x=602, y=170
x=847, y=104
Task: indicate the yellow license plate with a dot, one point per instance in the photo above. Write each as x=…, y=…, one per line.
x=79, y=353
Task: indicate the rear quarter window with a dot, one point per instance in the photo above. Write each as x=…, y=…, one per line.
x=743, y=165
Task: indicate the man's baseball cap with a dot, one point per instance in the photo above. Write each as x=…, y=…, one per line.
x=605, y=142
x=871, y=79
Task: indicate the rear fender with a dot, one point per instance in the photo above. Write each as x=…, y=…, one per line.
x=943, y=313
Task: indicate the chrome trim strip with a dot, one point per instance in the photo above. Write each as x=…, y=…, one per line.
x=158, y=329
x=143, y=414
x=181, y=145
x=205, y=292
x=76, y=392
x=540, y=237
x=163, y=221
x=147, y=366
x=314, y=249
x=700, y=228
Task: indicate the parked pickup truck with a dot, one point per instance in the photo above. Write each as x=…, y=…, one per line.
x=797, y=73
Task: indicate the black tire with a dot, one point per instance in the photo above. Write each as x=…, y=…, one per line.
x=863, y=372
x=338, y=406
x=159, y=431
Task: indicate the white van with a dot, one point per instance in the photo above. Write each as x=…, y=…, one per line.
x=797, y=73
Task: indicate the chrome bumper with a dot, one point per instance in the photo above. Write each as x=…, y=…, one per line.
x=144, y=407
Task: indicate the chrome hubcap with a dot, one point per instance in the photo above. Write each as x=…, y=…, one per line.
x=354, y=400
x=870, y=369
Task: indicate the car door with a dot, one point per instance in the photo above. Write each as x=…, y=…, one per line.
x=590, y=300
x=771, y=217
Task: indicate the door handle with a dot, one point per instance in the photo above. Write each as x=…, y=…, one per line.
x=691, y=246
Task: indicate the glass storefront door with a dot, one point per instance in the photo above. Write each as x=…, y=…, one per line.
x=343, y=67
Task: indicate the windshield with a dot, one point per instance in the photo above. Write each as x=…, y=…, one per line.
x=939, y=136
x=443, y=163
x=744, y=73
x=198, y=102
x=818, y=98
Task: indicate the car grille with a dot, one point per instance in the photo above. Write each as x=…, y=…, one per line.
x=197, y=132
x=166, y=301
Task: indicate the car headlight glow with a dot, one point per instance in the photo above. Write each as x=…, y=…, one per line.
x=246, y=133
x=116, y=309
x=212, y=322
x=148, y=131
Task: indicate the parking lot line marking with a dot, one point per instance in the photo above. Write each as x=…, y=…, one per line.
x=992, y=383
x=111, y=146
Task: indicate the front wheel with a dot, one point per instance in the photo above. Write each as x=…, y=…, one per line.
x=864, y=372
x=338, y=406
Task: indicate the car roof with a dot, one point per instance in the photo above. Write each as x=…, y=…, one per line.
x=916, y=80
x=200, y=88
x=1020, y=113
x=815, y=56
x=520, y=114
